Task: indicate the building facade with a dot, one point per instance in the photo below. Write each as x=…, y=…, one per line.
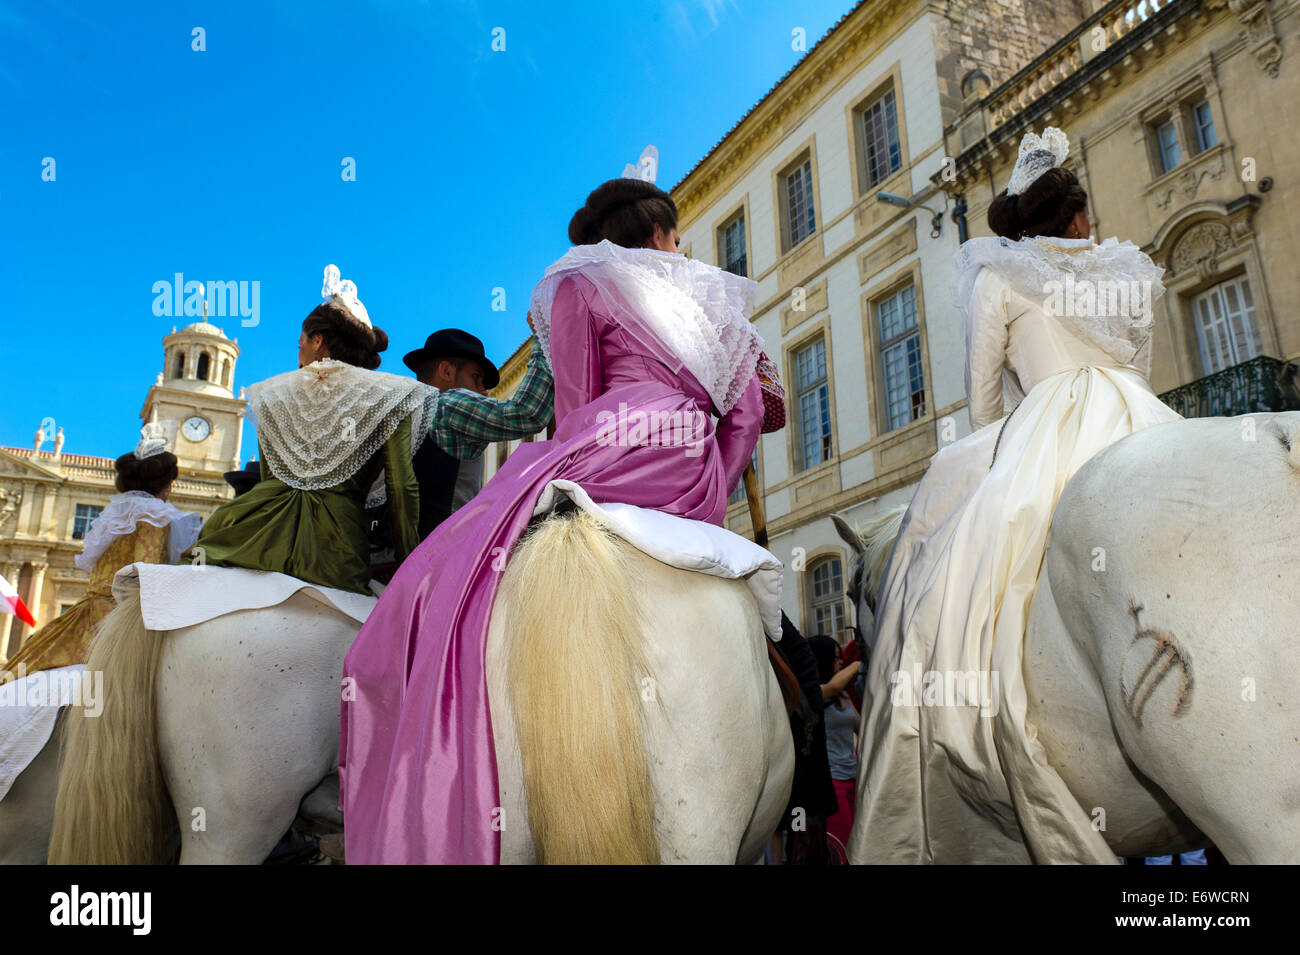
x=1176, y=115
x=845, y=192
x=49, y=497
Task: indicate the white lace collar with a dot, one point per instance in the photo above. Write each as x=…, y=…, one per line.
x=686, y=312
x=317, y=426
x=121, y=515
x=1121, y=279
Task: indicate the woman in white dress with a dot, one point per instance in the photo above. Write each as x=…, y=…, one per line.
x=1057, y=334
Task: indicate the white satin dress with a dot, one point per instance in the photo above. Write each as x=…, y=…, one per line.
x=970, y=783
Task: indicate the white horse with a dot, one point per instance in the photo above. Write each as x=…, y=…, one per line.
x=593, y=647
x=27, y=810
x=1163, y=689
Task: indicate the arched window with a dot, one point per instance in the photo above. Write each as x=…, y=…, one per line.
x=202, y=372
x=180, y=365
x=827, y=597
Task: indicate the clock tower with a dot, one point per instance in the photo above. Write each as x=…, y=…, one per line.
x=194, y=400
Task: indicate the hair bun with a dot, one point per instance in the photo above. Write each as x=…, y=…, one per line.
x=150, y=474
x=583, y=226
x=1045, y=208
x=624, y=211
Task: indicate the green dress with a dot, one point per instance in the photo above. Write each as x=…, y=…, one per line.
x=319, y=536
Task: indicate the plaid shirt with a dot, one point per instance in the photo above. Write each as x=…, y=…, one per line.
x=465, y=423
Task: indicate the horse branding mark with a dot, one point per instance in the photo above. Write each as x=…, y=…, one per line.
x=1166, y=655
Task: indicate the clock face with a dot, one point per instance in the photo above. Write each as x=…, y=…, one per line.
x=196, y=428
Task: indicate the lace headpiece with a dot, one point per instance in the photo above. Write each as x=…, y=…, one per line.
x=153, y=440
x=1037, y=155
x=343, y=293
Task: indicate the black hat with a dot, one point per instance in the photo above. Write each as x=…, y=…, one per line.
x=453, y=343
x=243, y=481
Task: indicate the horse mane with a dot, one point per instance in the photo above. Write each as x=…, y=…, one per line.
x=877, y=535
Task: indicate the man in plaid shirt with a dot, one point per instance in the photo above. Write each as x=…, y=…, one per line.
x=467, y=421
x=449, y=465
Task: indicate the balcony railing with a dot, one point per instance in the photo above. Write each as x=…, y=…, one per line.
x=1257, y=386
x=1098, y=33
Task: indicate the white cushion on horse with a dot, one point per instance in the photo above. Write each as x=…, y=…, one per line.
x=682, y=542
x=28, y=710
x=173, y=596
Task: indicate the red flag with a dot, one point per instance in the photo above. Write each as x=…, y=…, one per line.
x=16, y=605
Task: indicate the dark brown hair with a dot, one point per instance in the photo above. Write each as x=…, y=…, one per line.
x=347, y=339
x=150, y=475
x=625, y=212
x=1045, y=208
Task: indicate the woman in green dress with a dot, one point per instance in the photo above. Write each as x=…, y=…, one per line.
x=326, y=433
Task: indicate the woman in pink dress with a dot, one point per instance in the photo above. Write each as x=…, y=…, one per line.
x=635, y=333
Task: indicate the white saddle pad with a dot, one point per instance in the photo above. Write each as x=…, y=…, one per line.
x=176, y=596
x=173, y=596
x=28, y=710
x=681, y=542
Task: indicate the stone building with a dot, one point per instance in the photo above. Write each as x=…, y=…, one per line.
x=1176, y=113
x=50, y=497
x=846, y=190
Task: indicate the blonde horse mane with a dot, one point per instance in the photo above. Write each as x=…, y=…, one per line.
x=112, y=806
x=575, y=655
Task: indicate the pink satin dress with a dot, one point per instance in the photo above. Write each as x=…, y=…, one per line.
x=416, y=761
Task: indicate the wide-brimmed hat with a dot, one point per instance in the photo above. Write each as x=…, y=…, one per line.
x=453, y=343
x=242, y=481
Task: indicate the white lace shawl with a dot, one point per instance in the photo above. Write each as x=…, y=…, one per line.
x=319, y=425
x=1038, y=269
x=686, y=312
x=121, y=515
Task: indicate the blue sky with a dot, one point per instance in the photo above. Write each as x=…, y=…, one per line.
x=225, y=165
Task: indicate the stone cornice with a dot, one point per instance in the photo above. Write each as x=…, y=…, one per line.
x=1122, y=58
x=835, y=56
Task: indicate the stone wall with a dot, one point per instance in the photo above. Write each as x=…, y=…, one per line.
x=998, y=37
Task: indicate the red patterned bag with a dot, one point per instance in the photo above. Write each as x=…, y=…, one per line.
x=769, y=381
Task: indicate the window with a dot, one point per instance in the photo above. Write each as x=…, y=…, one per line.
x=1225, y=325
x=828, y=597
x=64, y=608
x=81, y=525
x=733, y=247
x=738, y=493
x=900, y=358
x=881, y=147
x=1167, y=143
x=1203, y=119
x=180, y=365
x=801, y=219
x=814, y=401
x=201, y=373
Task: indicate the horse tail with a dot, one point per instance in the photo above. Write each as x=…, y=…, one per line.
x=576, y=666
x=112, y=806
